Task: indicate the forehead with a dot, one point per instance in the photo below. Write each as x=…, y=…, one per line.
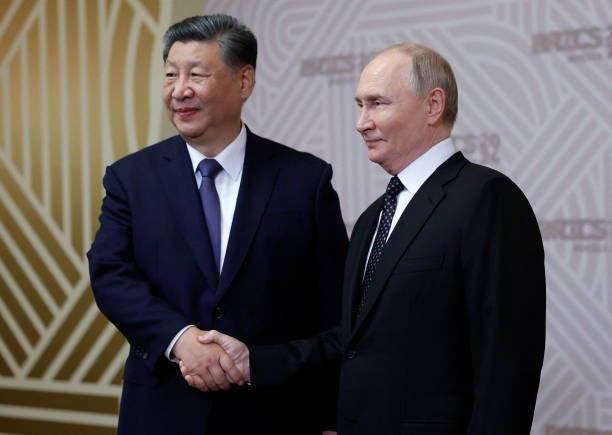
x=194, y=51
x=386, y=73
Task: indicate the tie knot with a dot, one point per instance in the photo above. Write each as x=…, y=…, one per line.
x=209, y=168
x=394, y=187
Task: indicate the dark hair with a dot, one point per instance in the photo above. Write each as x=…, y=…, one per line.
x=237, y=42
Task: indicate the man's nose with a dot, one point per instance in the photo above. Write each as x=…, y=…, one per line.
x=364, y=121
x=182, y=89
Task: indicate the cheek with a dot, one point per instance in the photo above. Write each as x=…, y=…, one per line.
x=166, y=96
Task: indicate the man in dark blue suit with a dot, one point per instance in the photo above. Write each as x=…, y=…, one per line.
x=443, y=313
x=267, y=268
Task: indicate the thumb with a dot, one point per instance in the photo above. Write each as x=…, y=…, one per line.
x=212, y=336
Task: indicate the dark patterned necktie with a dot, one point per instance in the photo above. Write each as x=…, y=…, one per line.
x=394, y=187
x=209, y=168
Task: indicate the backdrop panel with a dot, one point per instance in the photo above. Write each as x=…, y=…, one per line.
x=535, y=92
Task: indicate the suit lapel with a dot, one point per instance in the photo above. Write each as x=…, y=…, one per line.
x=178, y=181
x=414, y=217
x=355, y=263
x=258, y=178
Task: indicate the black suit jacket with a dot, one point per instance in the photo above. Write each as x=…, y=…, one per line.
x=152, y=274
x=452, y=339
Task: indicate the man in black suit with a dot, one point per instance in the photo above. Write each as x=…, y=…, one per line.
x=443, y=321
x=267, y=269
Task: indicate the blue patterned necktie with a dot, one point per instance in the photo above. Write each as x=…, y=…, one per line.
x=394, y=187
x=209, y=168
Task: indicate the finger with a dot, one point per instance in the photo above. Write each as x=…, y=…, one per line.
x=218, y=375
x=196, y=382
x=190, y=381
x=234, y=374
x=184, y=371
x=205, y=383
x=210, y=380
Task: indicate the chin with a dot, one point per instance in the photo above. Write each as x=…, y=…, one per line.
x=188, y=133
x=374, y=158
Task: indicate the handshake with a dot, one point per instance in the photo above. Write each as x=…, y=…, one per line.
x=211, y=361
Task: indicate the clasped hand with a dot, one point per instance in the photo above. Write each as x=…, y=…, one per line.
x=211, y=361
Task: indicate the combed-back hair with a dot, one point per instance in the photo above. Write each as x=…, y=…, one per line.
x=238, y=44
x=430, y=70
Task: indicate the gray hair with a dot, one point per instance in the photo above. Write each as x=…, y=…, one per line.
x=238, y=44
x=430, y=70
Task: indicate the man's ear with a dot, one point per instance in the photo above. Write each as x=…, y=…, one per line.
x=246, y=74
x=436, y=102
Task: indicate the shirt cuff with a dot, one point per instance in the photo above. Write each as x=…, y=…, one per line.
x=168, y=351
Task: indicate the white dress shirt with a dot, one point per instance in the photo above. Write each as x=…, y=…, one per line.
x=413, y=176
x=227, y=183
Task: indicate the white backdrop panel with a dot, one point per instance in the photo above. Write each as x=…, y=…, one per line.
x=534, y=102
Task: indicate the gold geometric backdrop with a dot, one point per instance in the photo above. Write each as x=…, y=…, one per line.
x=80, y=86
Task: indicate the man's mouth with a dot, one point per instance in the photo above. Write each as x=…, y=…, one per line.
x=371, y=140
x=185, y=112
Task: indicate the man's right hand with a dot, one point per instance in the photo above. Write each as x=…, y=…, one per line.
x=204, y=365
x=235, y=349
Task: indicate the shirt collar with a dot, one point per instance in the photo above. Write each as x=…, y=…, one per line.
x=231, y=158
x=416, y=173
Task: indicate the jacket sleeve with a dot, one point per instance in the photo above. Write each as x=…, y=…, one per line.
x=120, y=288
x=330, y=253
x=273, y=365
x=503, y=267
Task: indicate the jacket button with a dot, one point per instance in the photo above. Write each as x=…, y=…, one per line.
x=219, y=313
x=350, y=354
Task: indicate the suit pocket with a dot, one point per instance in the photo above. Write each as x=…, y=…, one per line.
x=419, y=264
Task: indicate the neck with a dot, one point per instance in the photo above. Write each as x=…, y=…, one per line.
x=217, y=142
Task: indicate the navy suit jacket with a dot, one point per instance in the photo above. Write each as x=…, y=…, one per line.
x=452, y=339
x=152, y=274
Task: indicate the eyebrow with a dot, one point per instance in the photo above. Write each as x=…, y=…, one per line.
x=372, y=97
x=190, y=64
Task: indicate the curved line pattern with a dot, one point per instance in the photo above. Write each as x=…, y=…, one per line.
x=45, y=300
x=129, y=85
x=552, y=116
